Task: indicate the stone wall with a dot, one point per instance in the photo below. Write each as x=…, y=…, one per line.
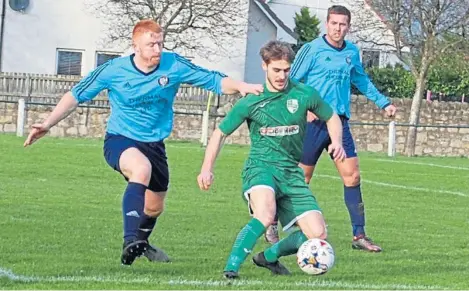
x=441, y=141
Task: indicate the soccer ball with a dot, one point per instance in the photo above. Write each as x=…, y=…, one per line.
x=315, y=256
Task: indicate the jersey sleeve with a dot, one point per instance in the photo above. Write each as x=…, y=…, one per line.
x=318, y=106
x=363, y=83
x=200, y=77
x=304, y=60
x=93, y=83
x=235, y=117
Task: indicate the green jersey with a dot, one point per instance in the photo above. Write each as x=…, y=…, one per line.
x=277, y=122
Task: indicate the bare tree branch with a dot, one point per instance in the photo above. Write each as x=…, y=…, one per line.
x=417, y=31
x=187, y=24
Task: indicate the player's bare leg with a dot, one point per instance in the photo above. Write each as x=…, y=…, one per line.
x=154, y=207
x=271, y=234
x=350, y=172
x=263, y=208
x=311, y=225
x=137, y=169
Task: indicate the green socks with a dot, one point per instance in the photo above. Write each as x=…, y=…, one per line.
x=285, y=247
x=244, y=243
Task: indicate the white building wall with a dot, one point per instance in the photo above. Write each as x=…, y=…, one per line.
x=231, y=65
x=232, y=60
x=31, y=39
x=286, y=9
x=260, y=31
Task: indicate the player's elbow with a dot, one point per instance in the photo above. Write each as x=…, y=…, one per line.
x=227, y=86
x=71, y=98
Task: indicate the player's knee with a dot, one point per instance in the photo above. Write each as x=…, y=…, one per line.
x=154, y=210
x=141, y=173
x=316, y=232
x=352, y=179
x=266, y=217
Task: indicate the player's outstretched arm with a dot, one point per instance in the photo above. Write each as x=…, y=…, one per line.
x=212, y=80
x=335, y=129
x=66, y=105
x=205, y=178
x=231, y=86
x=235, y=117
x=361, y=80
x=85, y=90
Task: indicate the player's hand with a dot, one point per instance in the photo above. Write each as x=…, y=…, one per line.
x=337, y=151
x=205, y=180
x=310, y=117
x=38, y=130
x=390, y=110
x=247, y=88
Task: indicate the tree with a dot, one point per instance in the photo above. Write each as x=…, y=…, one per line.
x=306, y=26
x=449, y=73
x=417, y=31
x=187, y=25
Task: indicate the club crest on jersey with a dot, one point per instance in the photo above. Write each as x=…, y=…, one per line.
x=348, y=59
x=292, y=105
x=163, y=81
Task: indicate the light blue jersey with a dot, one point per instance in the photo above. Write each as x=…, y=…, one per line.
x=142, y=103
x=331, y=71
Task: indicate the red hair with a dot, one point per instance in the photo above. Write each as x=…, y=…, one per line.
x=144, y=26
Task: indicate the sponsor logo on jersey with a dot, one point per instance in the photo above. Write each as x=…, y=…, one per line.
x=280, y=130
x=292, y=105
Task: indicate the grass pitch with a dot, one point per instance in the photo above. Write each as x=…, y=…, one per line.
x=61, y=222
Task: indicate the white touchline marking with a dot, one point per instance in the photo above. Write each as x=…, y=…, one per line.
x=402, y=186
x=210, y=283
x=423, y=164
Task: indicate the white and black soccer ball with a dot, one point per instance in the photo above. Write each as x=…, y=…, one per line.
x=315, y=256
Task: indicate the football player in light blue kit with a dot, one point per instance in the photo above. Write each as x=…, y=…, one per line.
x=141, y=90
x=331, y=64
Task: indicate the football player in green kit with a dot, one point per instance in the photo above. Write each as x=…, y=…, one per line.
x=331, y=64
x=272, y=180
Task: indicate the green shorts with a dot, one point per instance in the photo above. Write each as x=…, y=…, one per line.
x=293, y=196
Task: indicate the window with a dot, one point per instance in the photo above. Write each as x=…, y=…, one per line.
x=370, y=58
x=102, y=57
x=69, y=62
x=19, y=5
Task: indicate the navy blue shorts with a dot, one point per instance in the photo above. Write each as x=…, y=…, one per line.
x=115, y=145
x=317, y=140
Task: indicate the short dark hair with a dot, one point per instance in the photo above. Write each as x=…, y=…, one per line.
x=340, y=10
x=276, y=50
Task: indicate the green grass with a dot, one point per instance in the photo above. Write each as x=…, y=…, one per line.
x=61, y=227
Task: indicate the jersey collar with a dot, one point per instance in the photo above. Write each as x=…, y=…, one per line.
x=268, y=93
x=140, y=71
x=336, y=48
